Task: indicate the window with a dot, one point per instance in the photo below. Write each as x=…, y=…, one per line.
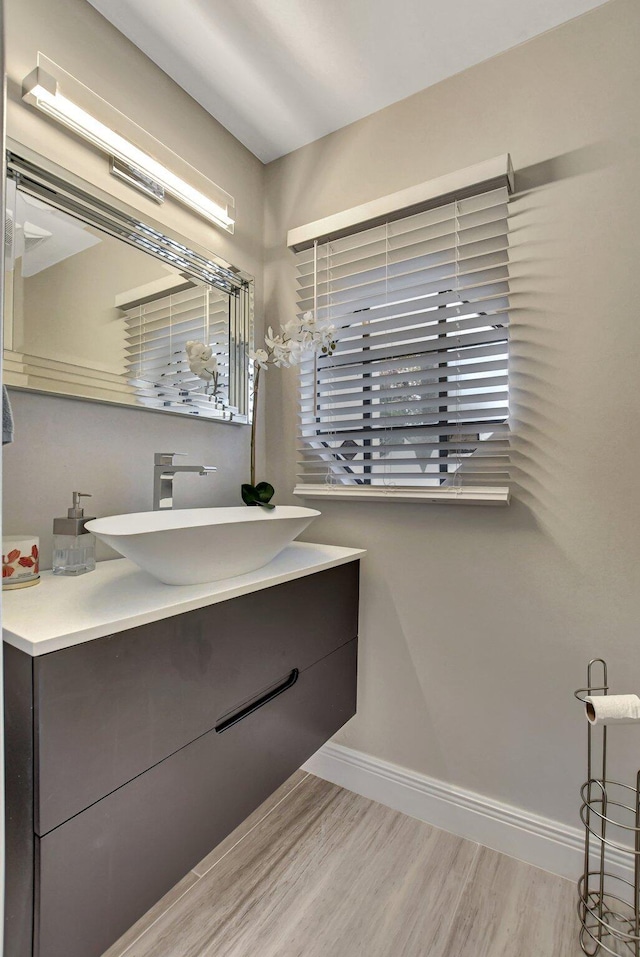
x=416, y=394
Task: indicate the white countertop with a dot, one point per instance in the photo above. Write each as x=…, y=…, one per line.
x=61, y=611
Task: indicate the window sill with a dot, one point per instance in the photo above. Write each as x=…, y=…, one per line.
x=472, y=495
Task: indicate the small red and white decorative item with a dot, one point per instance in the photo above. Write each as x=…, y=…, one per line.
x=20, y=561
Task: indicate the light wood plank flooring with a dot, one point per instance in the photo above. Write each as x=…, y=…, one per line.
x=320, y=872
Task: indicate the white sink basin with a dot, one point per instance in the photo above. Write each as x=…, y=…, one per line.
x=193, y=545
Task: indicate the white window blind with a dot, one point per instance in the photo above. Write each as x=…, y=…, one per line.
x=416, y=393
x=156, y=336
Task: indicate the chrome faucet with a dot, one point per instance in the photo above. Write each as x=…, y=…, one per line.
x=163, y=473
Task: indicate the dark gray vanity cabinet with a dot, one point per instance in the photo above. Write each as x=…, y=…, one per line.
x=130, y=757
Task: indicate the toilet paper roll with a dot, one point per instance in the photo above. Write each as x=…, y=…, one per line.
x=613, y=708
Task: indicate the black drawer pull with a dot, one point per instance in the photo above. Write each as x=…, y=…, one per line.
x=248, y=709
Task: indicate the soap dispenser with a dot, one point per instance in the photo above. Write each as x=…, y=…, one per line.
x=74, y=549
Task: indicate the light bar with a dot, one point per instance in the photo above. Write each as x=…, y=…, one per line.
x=41, y=90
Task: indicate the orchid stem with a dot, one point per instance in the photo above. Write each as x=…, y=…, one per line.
x=254, y=422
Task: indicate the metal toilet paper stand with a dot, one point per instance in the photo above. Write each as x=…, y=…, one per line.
x=609, y=900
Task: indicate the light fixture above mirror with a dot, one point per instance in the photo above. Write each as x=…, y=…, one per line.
x=129, y=162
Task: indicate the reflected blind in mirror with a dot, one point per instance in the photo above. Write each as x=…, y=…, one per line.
x=416, y=392
x=157, y=332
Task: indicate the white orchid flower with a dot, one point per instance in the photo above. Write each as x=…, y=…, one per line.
x=271, y=339
x=282, y=355
x=261, y=356
x=297, y=336
x=291, y=328
x=201, y=361
x=295, y=351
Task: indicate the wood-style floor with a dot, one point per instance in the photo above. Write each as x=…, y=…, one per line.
x=320, y=872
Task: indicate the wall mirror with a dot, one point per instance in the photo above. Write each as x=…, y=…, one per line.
x=99, y=304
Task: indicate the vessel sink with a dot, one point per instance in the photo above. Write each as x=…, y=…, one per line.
x=194, y=545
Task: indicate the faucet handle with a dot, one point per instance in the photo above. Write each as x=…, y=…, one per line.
x=166, y=458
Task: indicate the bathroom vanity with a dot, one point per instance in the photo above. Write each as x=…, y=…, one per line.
x=145, y=721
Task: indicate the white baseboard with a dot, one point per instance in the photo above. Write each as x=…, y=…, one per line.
x=540, y=841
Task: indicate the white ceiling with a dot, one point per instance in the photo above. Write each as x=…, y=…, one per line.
x=281, y=73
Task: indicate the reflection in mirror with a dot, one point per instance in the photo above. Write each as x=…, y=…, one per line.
x=101, y=306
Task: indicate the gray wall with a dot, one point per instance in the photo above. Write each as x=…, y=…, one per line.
x=62, y=444
x=477, y=623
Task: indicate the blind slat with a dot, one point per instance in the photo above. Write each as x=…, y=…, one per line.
x=426, y=432
x=421, y=418
x=465, y=207
x=373, y=402
x=491, y=356
x=369, y=403
x=390, y=252
x=402, y=389
x=416, y=328
x=380, y=289
x=435, y=348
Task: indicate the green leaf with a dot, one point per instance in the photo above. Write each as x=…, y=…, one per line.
x=260, y=494
x=265, y=492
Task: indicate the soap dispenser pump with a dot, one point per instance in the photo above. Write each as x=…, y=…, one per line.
x=74, y=549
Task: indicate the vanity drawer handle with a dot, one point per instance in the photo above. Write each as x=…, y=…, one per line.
x=248, y=709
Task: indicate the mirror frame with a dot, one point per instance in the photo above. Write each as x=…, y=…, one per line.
x=64, y=191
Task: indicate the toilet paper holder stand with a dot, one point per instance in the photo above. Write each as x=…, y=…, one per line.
x=609, y=888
